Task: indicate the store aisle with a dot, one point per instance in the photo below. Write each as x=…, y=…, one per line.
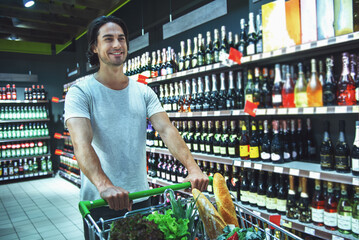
x=40, y=209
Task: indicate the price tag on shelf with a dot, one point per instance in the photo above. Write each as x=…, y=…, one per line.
x=195, y=70
x=266, y=55
x=190, y=114
x=177, y=115
x=305, y=46
x=26, y=175
x=34, y=101
x=315, y=175
x=169, y=76
x=293, y=111
x=261, y=111
x=291, y=49
x=321, y=110
x=278, y=169
x=204, y=114
x=256, y=57
x=308, y=110
x=247, y=164
x=282, y=111
x=209, y=67
x=153, y=150
x=294, y=172
x=277, y=52
x=341, y=109
x=218, y=65
x=355, y=181
x=342, y=38
x=154, y=180
x=31, y=175
x=246, y=59
x=310, y=231
x=285, y=223
x=11, y=177
x=335, y=237
x=236, y=112
x=322, y=43
x=217, y=113
x=258, y=166
x=237, y=163
x=356, y=35
x=355, y=109
x=202, y=69
x=271, y=111
x=36, y=174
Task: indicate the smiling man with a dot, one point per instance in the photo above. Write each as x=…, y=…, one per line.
x=106, y=117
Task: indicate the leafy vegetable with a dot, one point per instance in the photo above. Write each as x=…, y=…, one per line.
x=172, y=228
x=134, y=228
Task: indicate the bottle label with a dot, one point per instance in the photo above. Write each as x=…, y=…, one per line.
x=180, y=179
x=202, y=147
x=231, y=151
x=216, y=149
x=252, y=197
x=223, y=150
x=261, y=200
x=195, y=147
x=210, y=188
x=286, y=155
x=265, y=156
x=330, y=219
x=244, y=150
x=249, y=97
x=254, y=152
x=251, y=49
x=341, y=162
x=244, y=196
x=281, y=205
x=318, y=215
x=277, y=98
x=271, y=203
x=355, y=225
x=275, y=157
x=345, y=222
x=355, y=164
x=326, y=161
x=208, y=148
x=357, y=93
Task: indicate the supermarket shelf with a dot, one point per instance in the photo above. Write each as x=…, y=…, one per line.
x=18, y=158
x=62, y=100
x=302, y=227
x=26, y=176
x=283, y=53
x=269, y=112
x=70, y=177
x=25, y=120
x=23, y=139
x=164, y=183
x=68, y=154
x=24, y=101
x=297, y=168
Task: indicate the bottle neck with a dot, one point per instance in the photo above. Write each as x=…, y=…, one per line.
x=278, y=77
x=345, y=70
x=194, y=87
x=214, y=83
x=356, y=140
x=200, y=86
x=207, y=84
x=231, y=83
x=223, y=82
x=239, y=81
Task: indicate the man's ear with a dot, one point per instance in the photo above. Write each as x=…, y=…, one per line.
x=94, y=48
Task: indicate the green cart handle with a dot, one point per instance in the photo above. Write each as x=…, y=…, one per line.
x=86, y=206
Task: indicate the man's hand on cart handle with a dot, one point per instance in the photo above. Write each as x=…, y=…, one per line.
x=117, y=198
x=198, y=180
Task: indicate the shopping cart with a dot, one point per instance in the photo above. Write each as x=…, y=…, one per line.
x=247, y=219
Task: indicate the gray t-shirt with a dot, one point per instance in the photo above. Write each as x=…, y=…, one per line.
x=118, y=120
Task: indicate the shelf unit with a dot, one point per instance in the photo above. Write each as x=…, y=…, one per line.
x=69, y=176
x=24, y=139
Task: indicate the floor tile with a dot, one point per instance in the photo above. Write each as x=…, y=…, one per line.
x=12, y=236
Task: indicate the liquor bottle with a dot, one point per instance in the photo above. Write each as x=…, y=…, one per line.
x=231, y=102
x=310, y=142
x=233, y=143
x=355, y=151
x=216, y=46
x=161, y=97
x=214, y=94
x=266, y=89
x=8, y=92
x=277, y=88
x=239, y=102
x=357, y=82
x=287, y=157
x=244, y=188
x=4, y=94
x=266, y=143
x=159, y=63
x=13, y=93
x=194, y=59
x=259, y=43
x=243, y=38
x=153, y=65
x=345, y=210
x=321, y=73
x=217, y=139
x=175, y=98
x=292, y=208
x=209, y=50
x=252, y=36
x=211, y=172
x=330, y=209
x=304, y=203
x=224, y=48
x=197, y=137
x=201, y=51
x=281, y=195
x=327, y=150
x=209, y=138
x=190, y=134
x=235, y=183
x=271, y=194
x=300, y=89
x=224, y=141
x=244, y=143
x=230, y=41
x=202, y=144
x=170, y=65
x=227, y=174
x=199, y=95
x=181, y=98
x=301, y=145
x=256, y=88
x=341, y=151
x=164, y=62
x=170, y=164
x=288, y=90
x=277, y=144
x=236, y=41
x=355, y=216
x=252, y=194
x=174, y=171
x=166, y=99
x=329, y=86
x=261, y=190
x=222, y=96
x=254, y=152
x=317, y=205
x=187, y=62
x=182, y=58
x=207, y=94
x=346, y=85
x=248, y=91
x=187, y=105
x=314, y=88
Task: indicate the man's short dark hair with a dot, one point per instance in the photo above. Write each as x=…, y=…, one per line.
x=93, y=31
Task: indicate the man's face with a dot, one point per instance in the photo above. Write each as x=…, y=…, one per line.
x=111, y=45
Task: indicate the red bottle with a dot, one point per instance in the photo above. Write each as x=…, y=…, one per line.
x=3, y=94
x=346, y=84
x=288, y=91
x=8, y=92
x=13, y=92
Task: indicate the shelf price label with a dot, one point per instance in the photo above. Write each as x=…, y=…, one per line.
x=153, y=150
x=341, y=109
x=271, y=111
x=177, y=115
x=217, y=113
x=282, y=111
x=294, y=172
x=204, y=114
x=355, y=181
x=315, y=175
x=308, y=110
x=293, y=111
x=310, y=231
x=190, y=114
x=321, y=110
x=247, y=164
x=154, y=180
x=335, y=237
x=237, y=163
x=278, y=169
x=261, y=111
x=235, y=112
x=258, y=166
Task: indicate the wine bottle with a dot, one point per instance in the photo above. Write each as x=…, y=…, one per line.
x=194, y=58
x=217, y=139
x=207, y=94
x=194, y=95
x=277, y=144
x=329, y=91
x=304, y=203
x=341, y=151
x=231, y=94
x=181, y=98
x=202, y=145
x=256, y=88
x=216, y=46
x=182, y=58
x=224, y=139
x=271, y=194
x=175, y=98
x=239, y=102
x=300, y=137
x=355, y=216
x=317, y=205
x=224, y=43
x=244, y=188
x=244, y=143
x=287, y=152
x=164, y=62
x=227, y=175
x=252, y=197
x=266, y=143
x=300, y=89
x=166, y=103
x=357, y=82
x=248, y=91
x=189, y=137
x=345, y=210
x=197, y=137
x=243, y=38
x=170, y=68
x=261, y=190
x=330, y=209
x=277, y=100
x=209, y=50
x=281, y=195
x=310, y=142
x=266, y=89
x=174, y=171
x=200, y=95
x=187, y=62
x=288, y=90
x=222, y=96
x=235, y=183
x=188, y=95
x=292, y=208
x=209, y=138
x=201, y=51
x=233, y=143
x=355, y=151
x=254, y=144
x=259, y=43
x=252, y=36
x=214, y=94
x=314, y=88
x=346, y=84
x=327, y=150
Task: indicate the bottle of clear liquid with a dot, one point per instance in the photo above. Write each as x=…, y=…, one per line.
x=314, y=88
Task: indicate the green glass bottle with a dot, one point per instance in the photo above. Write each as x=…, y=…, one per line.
x=345, y=211
x=355, y=216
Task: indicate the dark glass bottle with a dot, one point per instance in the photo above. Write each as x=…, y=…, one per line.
x=224, y=43
x=317, y=205
x=329, y=86
x=194, y=95
x=244, y=143
x=266, y=143
x=197, y=137
x=310, y=142
x=282, y=195
x=244, y=189
x=199, y=95
x=355, y=151
x=201, y=51
x=271, y=194
x=254, y=146
x=233, y=143
x=239, y=102
x=203, y=137
x=266, y=89
x=243, y=38
x=277, y=88
x=345, y=211
x=190, y=135
x=222, y=96
x=256, y=88
x=248, y=91
x=213, y=105
x=175, y=98
x=235, y=183
x=209, y=138
x=217, y=139
x=224, y=139
x=252, y=197
x=181, y=97
x=252, y=36
x=207, y=94
x=188, y=97
x=216, y=46
x=327, y=150
x=301, y=146
x=341, y=151
x=194, y=59
x=182, y=57
x=277, y=144
x=230, y=99
x=292, y=207
x=259, y=42
x=346, y=85
x=287, y=151
x=209, y=49
x=261, y=190
x=304, y=203
x=187, y=62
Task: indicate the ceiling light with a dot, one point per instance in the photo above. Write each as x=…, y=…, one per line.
x=28, y=3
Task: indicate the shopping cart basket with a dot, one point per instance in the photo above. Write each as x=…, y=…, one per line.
x=247, y=219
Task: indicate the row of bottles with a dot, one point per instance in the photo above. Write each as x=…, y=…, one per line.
x=25, y=166
x=8, y=93
x=69, y=164
x=23, y=130
x=23, y=112
x=67, y=142
x=21, y=149
x=35, y=93
x=249, y=42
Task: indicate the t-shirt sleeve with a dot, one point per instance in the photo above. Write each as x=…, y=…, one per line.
x=153, y=104
x=76, y=104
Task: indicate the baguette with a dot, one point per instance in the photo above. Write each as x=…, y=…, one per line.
x=213, y=222
x=224, y=201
